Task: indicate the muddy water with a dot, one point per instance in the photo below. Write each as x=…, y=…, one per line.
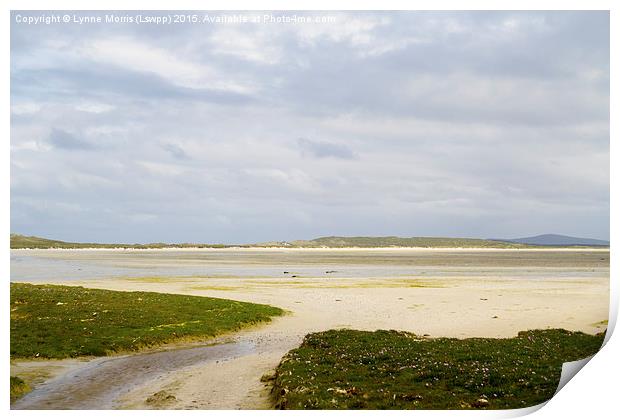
x=99, y=383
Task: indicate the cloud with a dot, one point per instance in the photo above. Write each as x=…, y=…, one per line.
x=94, y=107
x=484, y=124
x=323, y=149
x=25, y=108
x=61, y=139
x=144, y=58
x=175, y=150
x=356, y=30
x=248, y=45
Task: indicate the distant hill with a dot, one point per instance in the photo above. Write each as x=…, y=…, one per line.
x=395, y=241
x=21, y=241
x=559, y=240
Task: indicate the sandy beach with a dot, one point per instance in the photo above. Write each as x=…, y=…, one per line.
x=435, y=292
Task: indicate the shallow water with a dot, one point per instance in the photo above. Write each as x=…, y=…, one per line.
x=66, y=265
x=99, y=383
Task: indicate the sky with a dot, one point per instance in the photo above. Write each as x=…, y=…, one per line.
x=462, y=124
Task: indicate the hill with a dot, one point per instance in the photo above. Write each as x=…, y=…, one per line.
x=395, y=241
x=559, y=240
x=21, y=241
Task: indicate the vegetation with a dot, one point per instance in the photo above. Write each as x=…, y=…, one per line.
x=18, y=388
x=394, y=241
x=61, y=321
x=21, y=241
x=347, y=369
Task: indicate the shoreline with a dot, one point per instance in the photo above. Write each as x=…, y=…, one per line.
x=315, y=249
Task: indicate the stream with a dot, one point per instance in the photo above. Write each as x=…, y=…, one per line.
x=99, y=383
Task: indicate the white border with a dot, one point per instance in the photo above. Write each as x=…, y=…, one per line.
x=592, y=394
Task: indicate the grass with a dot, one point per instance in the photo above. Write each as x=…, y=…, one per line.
x=21, y=241
x=348, y=369
x=62, y=321
x=18, y=388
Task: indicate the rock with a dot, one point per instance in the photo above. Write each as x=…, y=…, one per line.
x=480, y=403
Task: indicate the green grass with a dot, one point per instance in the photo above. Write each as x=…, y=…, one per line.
x=18, y=388
x=62, y=321
x=347, y=369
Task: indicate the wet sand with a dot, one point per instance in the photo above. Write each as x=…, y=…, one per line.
x=441, y=292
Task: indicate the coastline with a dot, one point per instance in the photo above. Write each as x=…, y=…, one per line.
x=314, y=249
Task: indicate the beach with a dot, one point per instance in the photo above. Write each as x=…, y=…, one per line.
x=434, y=292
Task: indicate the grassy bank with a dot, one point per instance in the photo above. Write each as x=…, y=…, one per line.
x=18, y=388
x=61, y=321
x=346, y=369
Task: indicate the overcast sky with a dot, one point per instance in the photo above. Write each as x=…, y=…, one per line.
x=475, y=124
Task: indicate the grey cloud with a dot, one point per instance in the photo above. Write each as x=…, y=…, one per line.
x=324, y=149
x=484, y=124
x=61, y=139
x=98, y=80
x=175, y=150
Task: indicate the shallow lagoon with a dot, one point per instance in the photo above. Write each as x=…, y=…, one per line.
x=66, y=265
